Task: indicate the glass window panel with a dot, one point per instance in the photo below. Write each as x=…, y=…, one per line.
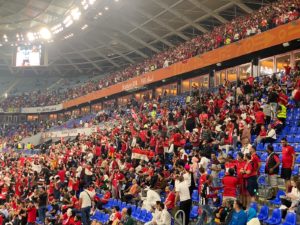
x=266, y=66
x=232, y=74
x=297, y=58
x=244, y=71
x=282, y=61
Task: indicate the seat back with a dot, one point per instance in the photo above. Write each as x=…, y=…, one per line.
x=276, y=215
x=291, y=218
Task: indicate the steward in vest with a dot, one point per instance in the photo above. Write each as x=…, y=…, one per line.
x=281, y=115
x=272, y=169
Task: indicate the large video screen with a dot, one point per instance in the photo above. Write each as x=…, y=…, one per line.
x=27, y=56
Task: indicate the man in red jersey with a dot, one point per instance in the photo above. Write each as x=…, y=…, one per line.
x=288, y=162
x=240, y=164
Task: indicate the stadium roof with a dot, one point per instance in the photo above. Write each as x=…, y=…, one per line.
x=113, y=34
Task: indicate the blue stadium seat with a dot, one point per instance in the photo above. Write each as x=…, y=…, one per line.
x=142, y=215
x=262, y=181
x=275, y=219
x=254, y=206
x=221, y=174
x=290, y=138
x=294, y=130
x=295, y=172
x=297, y=138
x=195, y=196
x=194, y=212
x=136, y=213
x=260, y=147
x=277, y=200
x=290, y=219
x=264, y=213
x=264, y=157
x=297, y=149
x=262, y=168
x=298, y=159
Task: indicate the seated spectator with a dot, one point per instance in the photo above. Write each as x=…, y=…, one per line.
x=291, y=200
x=239, y=217
x=271, y=135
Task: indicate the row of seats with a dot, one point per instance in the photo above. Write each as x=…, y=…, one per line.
x=276, y=217
x=138, y=213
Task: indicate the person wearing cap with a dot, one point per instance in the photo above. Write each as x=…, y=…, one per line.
x=272, y=169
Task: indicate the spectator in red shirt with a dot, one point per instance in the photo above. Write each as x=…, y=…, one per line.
x=230, y=185
x=288, y=162
x=259, y=119
x=255, y=159
x=170, y=198
x=31, y=214
x=250, y=175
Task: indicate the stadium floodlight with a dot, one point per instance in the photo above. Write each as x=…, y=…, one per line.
x=106, y=8
x=91, y=2
x=45, y=33
x=84, y=27
x=76, y=13
x=30, y=36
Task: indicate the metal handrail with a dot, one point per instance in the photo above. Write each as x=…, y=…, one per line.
x=180, y=219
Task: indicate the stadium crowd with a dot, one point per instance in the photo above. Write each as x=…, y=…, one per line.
x=267, y=17
x=157, y=156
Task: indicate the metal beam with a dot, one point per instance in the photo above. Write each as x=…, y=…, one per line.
x=166, y=42
x=242, y=6
x=99, y=53
x=154, y=18
x=208, y=11
x=181, y=16
x=86, y=58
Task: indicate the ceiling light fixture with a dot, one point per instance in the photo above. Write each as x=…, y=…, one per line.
x=45, y=33
x=76, y=13
x=106, y=8
x=30, y=36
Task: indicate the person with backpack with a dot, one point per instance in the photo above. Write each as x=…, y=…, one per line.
x=272, y=169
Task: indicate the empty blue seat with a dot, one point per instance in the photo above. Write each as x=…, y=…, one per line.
x=264, y=157
x=254, y=206
x=264, y=213
x=295, y=172
x=194, y=212
x=297, y=149
x=275, y=219
x=297, y=139
x=260, y=147
x=221, y=174
x=298, y=159
x=277, y=200
x=195, y=196
x=262, y=168
x=142, y=215
x=290, y=219
x=290, y=138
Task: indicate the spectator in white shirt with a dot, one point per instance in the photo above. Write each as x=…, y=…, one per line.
x=85, y=202
x=183, y=195
x=155, y=215
x=271, y=135
x=204, y=162
x=165, y=217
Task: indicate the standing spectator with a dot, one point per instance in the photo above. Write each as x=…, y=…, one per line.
x=250, y=175
x=42, y=202
x=31, y=214
x=281, y=115
x=259, y=119
x=183, y=193
x=288, y=162
x=170, y=199
x=230, y=183
x=272, y=169
x=85, y=203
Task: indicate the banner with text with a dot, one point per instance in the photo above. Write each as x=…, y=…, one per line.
x=69, y=132
x=44, y=109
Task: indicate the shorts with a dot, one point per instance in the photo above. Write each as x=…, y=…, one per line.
x=286, y=173
x=272, y=180
x=252, y=185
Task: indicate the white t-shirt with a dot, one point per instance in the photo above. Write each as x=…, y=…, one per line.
x=184, y=192
x=187, y=178
x=204, y=162
x=86, y=199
